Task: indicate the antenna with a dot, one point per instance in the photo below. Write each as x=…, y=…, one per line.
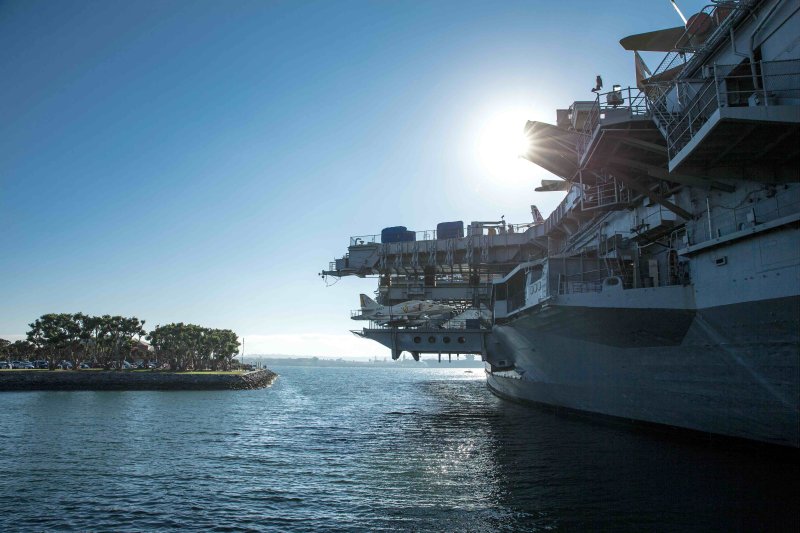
x=675, y=5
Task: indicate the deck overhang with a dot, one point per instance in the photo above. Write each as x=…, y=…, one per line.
x=730, y=132
x=428, y=340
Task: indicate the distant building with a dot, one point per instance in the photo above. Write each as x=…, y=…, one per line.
x=141, y=349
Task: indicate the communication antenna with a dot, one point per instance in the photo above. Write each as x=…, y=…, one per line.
x=675, y=5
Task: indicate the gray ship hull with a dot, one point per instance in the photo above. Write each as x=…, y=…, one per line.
x=731, y=370
x=665, y=286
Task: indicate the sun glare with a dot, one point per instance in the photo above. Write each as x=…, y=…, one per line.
x=500, y=142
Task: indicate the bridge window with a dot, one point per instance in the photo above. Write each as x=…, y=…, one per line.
x=500, y=292
x=535, y=274
x=516, y=291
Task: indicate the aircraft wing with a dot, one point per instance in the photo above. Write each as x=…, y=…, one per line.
x=553, y=185
x=400, y=321
x=654, y=41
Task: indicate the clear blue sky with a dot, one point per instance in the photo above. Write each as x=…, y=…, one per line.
x=201, y=161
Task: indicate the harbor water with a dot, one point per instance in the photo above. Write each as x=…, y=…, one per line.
x=367, y=449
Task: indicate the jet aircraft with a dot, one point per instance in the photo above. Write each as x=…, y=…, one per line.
x=410, y=313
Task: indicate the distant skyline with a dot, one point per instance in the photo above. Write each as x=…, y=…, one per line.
x=202, y=161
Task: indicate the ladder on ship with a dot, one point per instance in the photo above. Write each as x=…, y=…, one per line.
x=615, y=264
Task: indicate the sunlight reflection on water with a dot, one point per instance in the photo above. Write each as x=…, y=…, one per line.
x=372, y=449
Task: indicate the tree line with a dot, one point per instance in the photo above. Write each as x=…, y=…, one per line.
x=108, y=340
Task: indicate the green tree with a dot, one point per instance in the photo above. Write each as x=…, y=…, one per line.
x=188, y=346
x=21, y=350
x=77, y=337
x=56, y=335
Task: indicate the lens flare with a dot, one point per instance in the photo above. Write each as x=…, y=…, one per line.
x=500, y=143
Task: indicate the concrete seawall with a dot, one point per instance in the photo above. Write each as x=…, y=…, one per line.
x=125, y=380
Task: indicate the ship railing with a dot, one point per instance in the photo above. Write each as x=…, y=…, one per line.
x=426, y=235
x=672, y=60
x=521, y=228
x=438, y=324
x=589, y=280
x=431, y=235
x=498, y=229
x=362, y=240
x=604, y=192
x=731, y=220
x=688, y=50
x=656, y=91
x=565, y=286
x=615, y=102
x=339, y=264
x=774, y=83
x=714, y=19
x=417, y=290
x=593, y=281
x=572, y=199
x=443, y=279
x=719, y=16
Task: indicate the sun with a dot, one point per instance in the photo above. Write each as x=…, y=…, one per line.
x=500, y=142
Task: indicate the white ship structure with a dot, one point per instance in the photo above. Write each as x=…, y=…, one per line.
x=665, y=288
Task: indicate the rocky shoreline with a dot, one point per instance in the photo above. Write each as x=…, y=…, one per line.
x=126, y=380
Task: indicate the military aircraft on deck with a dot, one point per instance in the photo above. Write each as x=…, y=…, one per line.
x=410, y=313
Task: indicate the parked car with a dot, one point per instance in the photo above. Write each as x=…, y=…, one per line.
x=5, y=365
x=85, y=365
x=41, y=364
x=27, y=365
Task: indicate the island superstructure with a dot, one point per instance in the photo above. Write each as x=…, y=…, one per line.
x=665, y=287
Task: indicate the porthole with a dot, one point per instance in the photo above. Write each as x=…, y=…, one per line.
x=417, y=340
x=431, y=339
x=461, y=340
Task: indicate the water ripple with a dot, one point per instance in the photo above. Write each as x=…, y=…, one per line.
x=338, y=449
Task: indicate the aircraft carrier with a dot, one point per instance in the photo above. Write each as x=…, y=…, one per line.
x=665, y=287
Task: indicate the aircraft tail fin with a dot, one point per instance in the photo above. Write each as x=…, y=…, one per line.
x=367, y=302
